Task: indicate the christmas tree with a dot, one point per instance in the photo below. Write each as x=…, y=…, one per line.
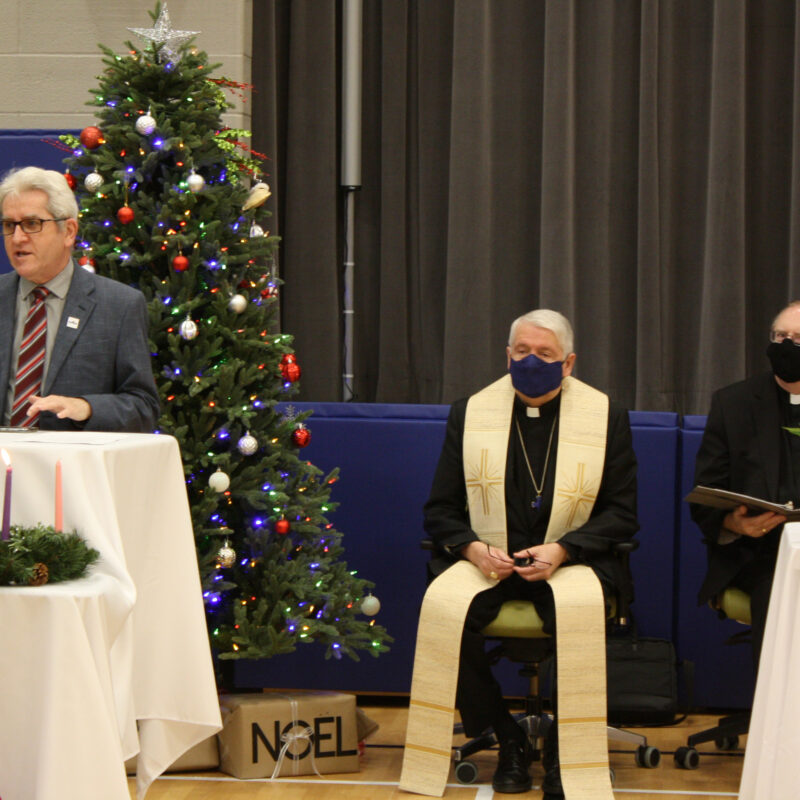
x=172, y=202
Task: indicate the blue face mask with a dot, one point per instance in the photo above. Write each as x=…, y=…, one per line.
x=534, y=377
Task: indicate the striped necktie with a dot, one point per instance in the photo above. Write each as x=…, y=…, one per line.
x=30, y=366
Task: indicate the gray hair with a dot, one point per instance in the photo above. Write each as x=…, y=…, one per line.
x=550, y=320
x=61, y=202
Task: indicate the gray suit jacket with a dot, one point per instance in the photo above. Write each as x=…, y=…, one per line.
x=105, y=359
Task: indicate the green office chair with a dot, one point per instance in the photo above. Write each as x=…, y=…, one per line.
x=518, y=629
x=732, y=604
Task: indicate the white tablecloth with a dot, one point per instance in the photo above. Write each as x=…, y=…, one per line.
x=98, y=670
x=773, y=742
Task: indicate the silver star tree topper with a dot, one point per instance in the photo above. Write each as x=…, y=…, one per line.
x=163, y=36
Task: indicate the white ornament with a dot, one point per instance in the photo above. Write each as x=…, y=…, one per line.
x=237, y=303
x=145, y=124
x=370, y=605
x=226, y=555
x=93, y=181
x=195, y=182
x=256, y=230
x=188, y=329
x=219, y=481
x=247, y=444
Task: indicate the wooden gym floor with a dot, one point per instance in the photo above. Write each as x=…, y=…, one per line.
x=717, y=776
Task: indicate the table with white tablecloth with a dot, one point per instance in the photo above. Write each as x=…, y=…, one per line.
x=97, y=670
x=773, y=741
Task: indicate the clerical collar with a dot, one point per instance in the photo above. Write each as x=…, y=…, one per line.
x=546, y=410
x=794, y=399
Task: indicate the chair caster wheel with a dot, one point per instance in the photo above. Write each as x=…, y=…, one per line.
x=647, y=757
x=727, y=742
x=466, y=772
x=687, y=758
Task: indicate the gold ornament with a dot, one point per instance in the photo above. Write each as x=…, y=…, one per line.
x=226, y=555
x=257, y=197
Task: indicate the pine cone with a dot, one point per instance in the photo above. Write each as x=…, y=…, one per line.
x=40, y=574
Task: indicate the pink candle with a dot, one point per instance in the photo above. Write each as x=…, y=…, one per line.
x=59, y=521
x=7, y=498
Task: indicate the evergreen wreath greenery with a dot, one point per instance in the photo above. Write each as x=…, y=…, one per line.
x=38, y=555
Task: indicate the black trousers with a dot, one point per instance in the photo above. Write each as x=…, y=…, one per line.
x=479, y=697
x=756, y=580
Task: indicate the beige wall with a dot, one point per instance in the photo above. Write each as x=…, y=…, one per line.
x=49, y=59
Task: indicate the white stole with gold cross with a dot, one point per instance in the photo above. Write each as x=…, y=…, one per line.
x=580, y=608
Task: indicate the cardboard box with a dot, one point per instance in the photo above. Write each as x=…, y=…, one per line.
x=203, y=757
x=318, y=725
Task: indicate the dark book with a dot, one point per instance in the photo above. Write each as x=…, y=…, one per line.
x=722, y=498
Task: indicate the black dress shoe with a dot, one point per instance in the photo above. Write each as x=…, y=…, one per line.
x=551, y=785
x=512, y=775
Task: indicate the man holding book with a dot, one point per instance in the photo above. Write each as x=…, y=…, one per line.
x=747, y=448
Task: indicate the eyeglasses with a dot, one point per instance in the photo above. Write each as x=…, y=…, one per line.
x=28, y=225
x=780, y=336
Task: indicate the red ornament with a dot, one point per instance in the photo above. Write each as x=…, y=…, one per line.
x=84, y=260
x=125, y=215
x=91, y=137
x=301, y=435
x=180, y=263
x=244, y=283
x=291, y=371
x=71, y=180
x=288, y=358
x=282, y=526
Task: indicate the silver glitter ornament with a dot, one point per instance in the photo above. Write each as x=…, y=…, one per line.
x=247, y=445
x=93, y=181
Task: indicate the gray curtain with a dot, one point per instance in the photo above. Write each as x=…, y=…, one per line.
x=631, y=164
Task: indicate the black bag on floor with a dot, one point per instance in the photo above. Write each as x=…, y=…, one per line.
x=643, y=682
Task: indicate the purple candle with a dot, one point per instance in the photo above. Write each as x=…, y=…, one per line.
x=7, y=497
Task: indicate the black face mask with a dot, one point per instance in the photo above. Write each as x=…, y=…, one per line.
x=785, y=359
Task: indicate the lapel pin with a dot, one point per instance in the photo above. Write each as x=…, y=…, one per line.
x=73, y=322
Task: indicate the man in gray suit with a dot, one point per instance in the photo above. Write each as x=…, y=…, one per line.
x=96, y=373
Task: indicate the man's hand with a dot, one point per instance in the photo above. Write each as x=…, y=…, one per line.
x=63, y=407
x=491, y=561
x=757, y=526
x=546, y=559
